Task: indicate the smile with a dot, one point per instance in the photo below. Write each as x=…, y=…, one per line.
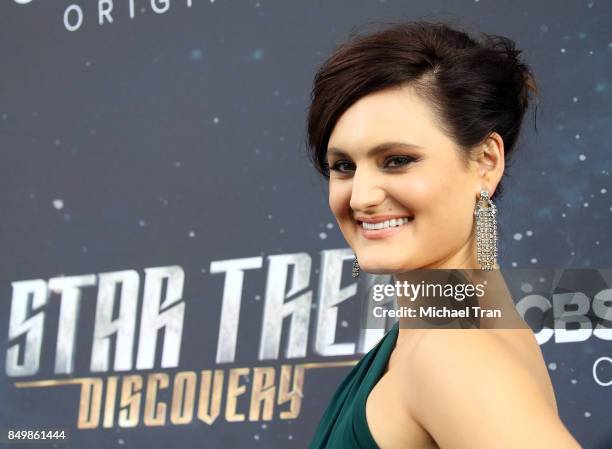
x=384, y=228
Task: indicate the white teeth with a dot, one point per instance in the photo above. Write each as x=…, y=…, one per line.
x=385, y=224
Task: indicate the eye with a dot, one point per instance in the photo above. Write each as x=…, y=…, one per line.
x=344, y=166
x=336, y=166
x=403, y=160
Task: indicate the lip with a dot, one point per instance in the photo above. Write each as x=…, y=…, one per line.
x=379, y=218
x=375, y=234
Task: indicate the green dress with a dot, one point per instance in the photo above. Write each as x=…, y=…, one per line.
x=344, y=425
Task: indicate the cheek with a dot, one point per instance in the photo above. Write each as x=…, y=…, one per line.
x=339, y=199
x=419, y=193
x=445, y=199
x=449, y=204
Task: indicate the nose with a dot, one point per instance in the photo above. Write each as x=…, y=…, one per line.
x=366, y=191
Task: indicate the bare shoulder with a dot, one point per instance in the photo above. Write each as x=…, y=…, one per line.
x=476, y=389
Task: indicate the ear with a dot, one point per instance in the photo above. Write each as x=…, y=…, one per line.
x=490, y=163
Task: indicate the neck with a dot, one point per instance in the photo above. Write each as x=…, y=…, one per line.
x=449, y=288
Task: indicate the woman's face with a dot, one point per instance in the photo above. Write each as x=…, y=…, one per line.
x=430, y=183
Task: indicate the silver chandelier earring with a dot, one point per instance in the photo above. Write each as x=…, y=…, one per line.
x=355, y=268
x=486, y=231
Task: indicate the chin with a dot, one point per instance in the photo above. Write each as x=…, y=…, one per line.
x=384, y=266
x=379, y=271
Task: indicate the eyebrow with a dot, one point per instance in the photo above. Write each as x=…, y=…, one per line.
x=381, y=147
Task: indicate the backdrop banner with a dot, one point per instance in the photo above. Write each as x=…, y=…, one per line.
x=171, y=274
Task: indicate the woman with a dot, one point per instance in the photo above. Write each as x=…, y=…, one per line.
x=413, y=126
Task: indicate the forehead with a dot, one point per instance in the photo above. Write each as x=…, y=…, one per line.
x=392, y=114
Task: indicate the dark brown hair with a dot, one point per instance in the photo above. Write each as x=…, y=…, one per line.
x=474, y=86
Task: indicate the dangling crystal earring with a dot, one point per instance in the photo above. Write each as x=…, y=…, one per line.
x=486, y=232
x=355, y=268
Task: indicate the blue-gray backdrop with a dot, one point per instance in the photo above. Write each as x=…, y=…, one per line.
x=157, y=205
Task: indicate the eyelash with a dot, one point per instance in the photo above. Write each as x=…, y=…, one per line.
x=335, y=166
